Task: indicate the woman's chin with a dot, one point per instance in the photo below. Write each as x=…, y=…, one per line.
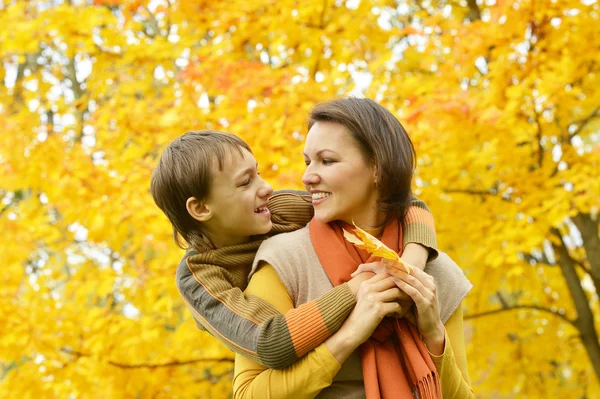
x=323, y=217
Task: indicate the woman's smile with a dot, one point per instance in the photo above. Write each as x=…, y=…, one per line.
x=318, y=197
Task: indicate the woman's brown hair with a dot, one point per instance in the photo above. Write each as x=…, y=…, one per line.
x=184, y=171
x=383, y=142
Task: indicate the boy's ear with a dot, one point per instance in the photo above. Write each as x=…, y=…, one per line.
x=198, y=210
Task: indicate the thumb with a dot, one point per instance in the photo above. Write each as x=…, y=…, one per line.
x=361, y=269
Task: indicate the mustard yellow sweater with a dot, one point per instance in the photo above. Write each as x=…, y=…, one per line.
x=314, y=372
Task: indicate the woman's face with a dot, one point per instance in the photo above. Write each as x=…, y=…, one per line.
x=338, y=177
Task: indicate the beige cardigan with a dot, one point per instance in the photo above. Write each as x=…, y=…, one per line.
x=295, y=261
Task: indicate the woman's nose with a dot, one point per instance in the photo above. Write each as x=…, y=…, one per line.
x=310, y=178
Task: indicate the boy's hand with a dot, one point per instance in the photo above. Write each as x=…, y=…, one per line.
x=357, y=279
x=373, y=267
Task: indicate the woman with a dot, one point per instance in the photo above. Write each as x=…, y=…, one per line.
x=359, y=169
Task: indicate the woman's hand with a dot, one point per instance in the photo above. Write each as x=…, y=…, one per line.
x=420, y=286
x=376, y=298
x=378, y=268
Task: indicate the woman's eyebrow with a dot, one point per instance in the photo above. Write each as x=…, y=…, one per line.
x=322, y=151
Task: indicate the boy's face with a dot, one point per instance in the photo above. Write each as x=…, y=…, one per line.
x=238, y=201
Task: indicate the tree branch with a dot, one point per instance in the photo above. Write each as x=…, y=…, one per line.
x=588, y=228
x=474, y=11
x=539, y=136
x=490, y=192
x=584, y=122
x=521, y=307
x=155, y=365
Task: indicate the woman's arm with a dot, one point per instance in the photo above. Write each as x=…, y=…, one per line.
x=452, y=363
x=442, y=341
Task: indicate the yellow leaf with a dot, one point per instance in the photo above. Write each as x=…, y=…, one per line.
x=375, y=247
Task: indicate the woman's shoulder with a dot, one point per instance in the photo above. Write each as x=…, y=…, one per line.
x=284, y=241
x=283, y=249
x=451, y=283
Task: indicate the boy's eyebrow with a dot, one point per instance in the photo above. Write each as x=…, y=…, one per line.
x=246, y=171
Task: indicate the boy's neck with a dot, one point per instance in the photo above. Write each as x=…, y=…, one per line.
x=226, y=241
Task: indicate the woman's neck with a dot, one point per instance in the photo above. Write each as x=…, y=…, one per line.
x=372, y=224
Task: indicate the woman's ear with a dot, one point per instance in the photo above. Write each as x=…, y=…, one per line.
x=198, y=210
x=375, y=176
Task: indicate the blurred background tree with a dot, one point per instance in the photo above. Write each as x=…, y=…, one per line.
x=501, y=98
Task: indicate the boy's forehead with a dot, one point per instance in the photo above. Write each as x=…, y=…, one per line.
x=235, y=160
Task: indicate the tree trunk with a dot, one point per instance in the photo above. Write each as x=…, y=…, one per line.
x=588, y=229
x=585, y=317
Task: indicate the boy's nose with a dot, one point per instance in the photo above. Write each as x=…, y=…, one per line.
x=266, y=190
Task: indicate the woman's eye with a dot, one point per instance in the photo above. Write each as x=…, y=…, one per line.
x=246, y=183
x=328, y=161
x=307, y=162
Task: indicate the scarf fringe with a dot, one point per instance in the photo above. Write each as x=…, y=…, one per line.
x=429, y=387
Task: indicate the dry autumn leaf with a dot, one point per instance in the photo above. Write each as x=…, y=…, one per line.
x=375, y=247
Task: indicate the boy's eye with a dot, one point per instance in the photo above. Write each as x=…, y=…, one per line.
x=328, y=161
x=247, y=182
x=307, y=162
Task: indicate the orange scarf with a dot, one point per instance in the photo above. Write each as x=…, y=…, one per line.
x=395, y=360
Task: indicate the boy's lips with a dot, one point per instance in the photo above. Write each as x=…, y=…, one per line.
x=263, y=210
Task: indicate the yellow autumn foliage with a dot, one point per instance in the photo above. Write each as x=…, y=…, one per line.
x=501, y=99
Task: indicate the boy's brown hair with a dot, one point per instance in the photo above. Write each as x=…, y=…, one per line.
x=184, y=171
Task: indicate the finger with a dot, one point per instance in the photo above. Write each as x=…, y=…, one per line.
x=403, y=295
x=374, y=267
x=415, y=294
x=362, y=268
x=377, y=278
x=416, y=283
x=424, y=278
x=389, y=295
x=395, y=272
x=391, y=308
x=396, y=265
x=383, y=284
x=398, y=295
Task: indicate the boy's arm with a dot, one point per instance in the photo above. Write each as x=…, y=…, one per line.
x=305, y=378
x=251, y=326
x=415, y=255
x=419, y=238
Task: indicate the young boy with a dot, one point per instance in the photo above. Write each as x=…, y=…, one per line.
x=207, y=184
